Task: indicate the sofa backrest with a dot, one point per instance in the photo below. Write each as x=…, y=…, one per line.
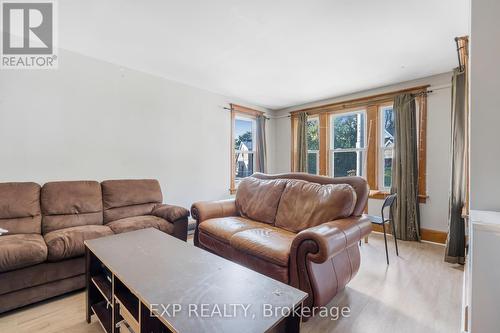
x=129, y=197
x=359, y=185
x=20, y=208
x=258, y=199
x=304, y=204
x=70, y=203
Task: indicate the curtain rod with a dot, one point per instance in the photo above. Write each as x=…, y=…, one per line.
x=422, y=93
x=229, y=109
x=415, y=95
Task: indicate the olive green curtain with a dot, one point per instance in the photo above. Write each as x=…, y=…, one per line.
x=302, y=142
x=261, y=144
x=455, y=244
x=405, y=169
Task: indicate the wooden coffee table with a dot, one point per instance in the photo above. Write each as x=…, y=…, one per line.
x=149, y=281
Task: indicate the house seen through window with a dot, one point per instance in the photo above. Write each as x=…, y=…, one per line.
x=386, y=146
x=244, y=145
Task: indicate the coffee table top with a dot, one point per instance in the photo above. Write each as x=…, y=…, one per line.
x=210, y=292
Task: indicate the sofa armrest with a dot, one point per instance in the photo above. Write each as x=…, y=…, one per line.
x=176, y=215
x=170, y=213
x=333, y=237
x=204, y=210
x=320, y=244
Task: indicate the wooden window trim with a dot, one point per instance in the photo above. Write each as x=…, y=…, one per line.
x=372, y=105
x=344, y=106
x=244, y=111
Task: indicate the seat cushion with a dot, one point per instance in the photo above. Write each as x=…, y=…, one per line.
x=68, y=243
x=269, y=243
x=258, y=199
x=141, y=222
x=257, y=264
x=223, y=228
x=304, y=204
x=20, y=208
x=22, y=250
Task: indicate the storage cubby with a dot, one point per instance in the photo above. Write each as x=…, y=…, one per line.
x=99, y=293
x=102, y=310
x=104, y=286
x=128, y=305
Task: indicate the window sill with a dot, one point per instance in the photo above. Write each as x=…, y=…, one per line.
x=377, y=194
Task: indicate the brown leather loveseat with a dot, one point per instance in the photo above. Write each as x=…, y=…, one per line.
x=42, y=255
x=297, y=228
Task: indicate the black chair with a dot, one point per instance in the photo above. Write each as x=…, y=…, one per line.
x=381, y=220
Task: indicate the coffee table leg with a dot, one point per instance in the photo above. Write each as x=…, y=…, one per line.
x=149, y=323
x=289, y=324
x=292, y=322
x=87, y=282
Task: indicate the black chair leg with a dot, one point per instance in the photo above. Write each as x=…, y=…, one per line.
x=385, y=240
x=394, y=235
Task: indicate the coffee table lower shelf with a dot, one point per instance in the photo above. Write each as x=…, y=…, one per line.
x=104, y=315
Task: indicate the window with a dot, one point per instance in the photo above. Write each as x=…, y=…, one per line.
x=356, y=137
x=386, y=146
x=243, y=143
x=347, y=144
x=313, y=146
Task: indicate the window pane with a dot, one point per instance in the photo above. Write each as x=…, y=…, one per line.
x=312, y=163
x=347, y=164
x=387, y=172
x=387, y=168
x=349, y=131
x=243, y=139
x=244, y=164
x=388, y=126
x=313, y=134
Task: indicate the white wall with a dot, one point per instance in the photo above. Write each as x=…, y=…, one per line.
x=485, y=105
x=94, y=120
x=434, y=213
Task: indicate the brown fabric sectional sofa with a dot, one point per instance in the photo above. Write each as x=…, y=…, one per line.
x=42, y=254
x=297, y=228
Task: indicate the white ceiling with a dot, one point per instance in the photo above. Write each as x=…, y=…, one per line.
x=271, y=53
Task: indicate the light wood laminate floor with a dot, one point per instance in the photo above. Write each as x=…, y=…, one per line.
x=418, y=292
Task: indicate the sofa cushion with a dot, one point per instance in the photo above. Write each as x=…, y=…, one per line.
x=269, y=243
x=257, y=264
x=20, y=208
x=70, y=204
x=68, y=243
x=18, y=251
x=223, y=228
x=140, y=222
x=258, y=199
x=129, y=197
x=304, y=204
